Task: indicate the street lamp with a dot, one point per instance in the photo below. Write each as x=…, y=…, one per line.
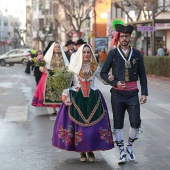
x=46, y=33
x=88, y=28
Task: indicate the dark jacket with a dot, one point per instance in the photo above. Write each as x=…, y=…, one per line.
x=68, y=54
x=116, y=62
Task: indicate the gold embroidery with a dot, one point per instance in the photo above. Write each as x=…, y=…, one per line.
x=93, y=67
x=86, y=124
x=57, y=62
x=126, y=74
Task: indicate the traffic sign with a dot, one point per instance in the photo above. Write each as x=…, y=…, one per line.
x=111, y=31
x=146, y=28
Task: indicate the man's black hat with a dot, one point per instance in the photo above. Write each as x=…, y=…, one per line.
x=124, y=29
x=69, y=42
x=80, y=41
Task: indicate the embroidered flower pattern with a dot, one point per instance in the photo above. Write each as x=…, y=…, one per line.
x=67, y=135
x=106, y=135
x=78, y=136
x=134, y=61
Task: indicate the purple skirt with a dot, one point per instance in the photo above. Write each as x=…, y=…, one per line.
x=68, y=135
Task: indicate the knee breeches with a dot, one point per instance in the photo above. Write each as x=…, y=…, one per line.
x=122, y=102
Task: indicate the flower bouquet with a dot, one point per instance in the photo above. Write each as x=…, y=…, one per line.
x=39, y=61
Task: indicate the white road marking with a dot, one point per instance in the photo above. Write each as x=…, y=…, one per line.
x=111, y=157
x=164, y=106
x=16, y=113
x=52, y=117
x=4, y=94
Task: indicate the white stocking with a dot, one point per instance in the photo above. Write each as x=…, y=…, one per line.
x=132, y=136
x=119, y=140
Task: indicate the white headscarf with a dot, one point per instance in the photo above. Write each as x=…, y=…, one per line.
x=49, y=54
x=76, y=62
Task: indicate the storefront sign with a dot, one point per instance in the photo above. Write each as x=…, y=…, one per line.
x=146, y=28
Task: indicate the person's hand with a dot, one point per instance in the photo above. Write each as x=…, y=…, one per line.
x=121, y=85
x=111, y=78
x=43, y=69
x=67, y=102
x=143, y=99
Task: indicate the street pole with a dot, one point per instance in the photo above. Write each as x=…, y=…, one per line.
x=147, y=43
x=153, y=38
x=153, y=24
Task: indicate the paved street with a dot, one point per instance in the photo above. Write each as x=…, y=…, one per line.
x=26, y=131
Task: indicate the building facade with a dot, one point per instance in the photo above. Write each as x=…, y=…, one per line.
x=152, y=13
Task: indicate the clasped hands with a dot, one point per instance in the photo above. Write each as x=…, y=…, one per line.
x=43, y=69
x=67, y=102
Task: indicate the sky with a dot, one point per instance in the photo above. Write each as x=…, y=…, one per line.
x=17, y=8
x=14, y=6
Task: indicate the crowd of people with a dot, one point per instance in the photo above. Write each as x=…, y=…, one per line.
x=161, y=51
x=82, y=123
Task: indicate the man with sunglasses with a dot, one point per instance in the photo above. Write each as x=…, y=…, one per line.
x=127, y=65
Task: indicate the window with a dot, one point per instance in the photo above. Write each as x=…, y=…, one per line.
x=19, y=52
x=11, y=53
x=5, y=22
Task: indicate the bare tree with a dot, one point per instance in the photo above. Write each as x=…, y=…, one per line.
x=76, y=12
x=41, y=33
x=150, y=8
x=17, y=36
x=64, y=25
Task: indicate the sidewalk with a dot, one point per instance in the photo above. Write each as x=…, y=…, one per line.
x=162, y=82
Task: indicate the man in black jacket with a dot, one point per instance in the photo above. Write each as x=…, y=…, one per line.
x=70, y=48
x=127, y=65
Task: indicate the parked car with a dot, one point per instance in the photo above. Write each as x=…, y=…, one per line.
x=15, y=56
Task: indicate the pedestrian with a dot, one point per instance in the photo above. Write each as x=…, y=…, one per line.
x=102, y=57
x=82, y=123
x=33, y=52
x=36, y=69
x=149, y=51
x=166, y=52
x=28, y=65
x=127, y=65
x=142, y=52
x=45, y=94
x=78, y=44
x=70, y=49
x=96, y=53
x=161, y=51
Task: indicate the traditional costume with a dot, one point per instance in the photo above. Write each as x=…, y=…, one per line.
x=78, y=43
x=127, y=65
x=45, y=94
x=69, y=52
x=84, y=126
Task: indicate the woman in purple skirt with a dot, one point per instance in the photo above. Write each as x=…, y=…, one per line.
x=83, y=124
